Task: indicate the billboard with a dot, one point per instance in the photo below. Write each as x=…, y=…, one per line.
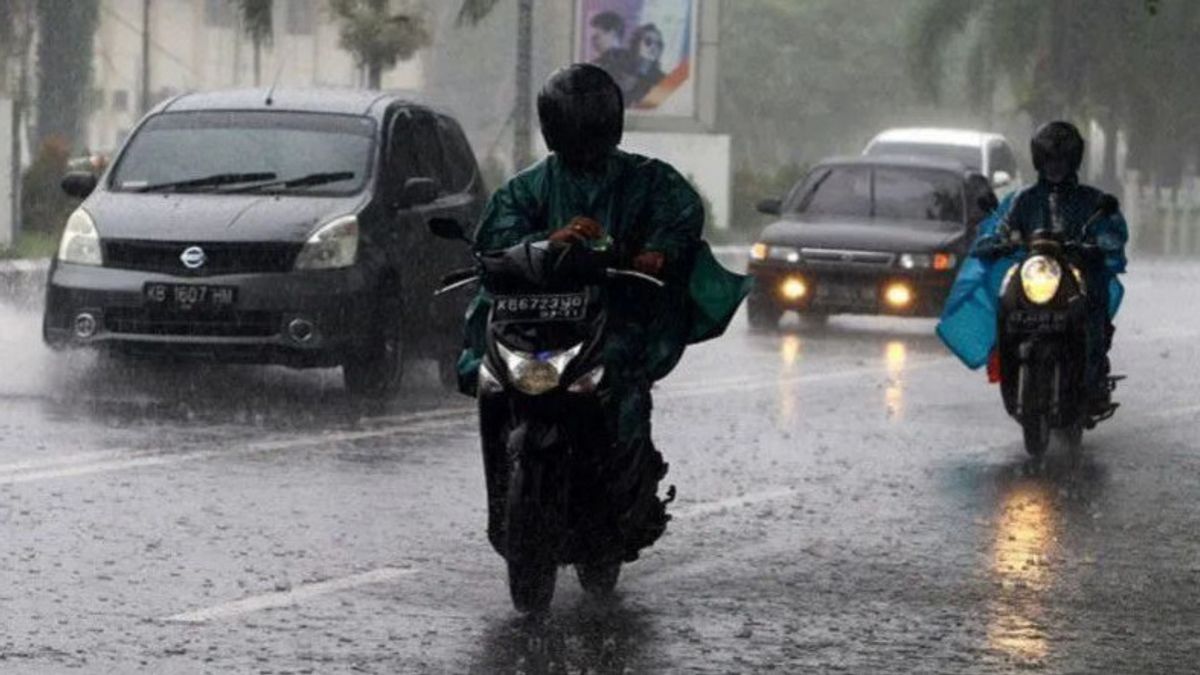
x=648, y=46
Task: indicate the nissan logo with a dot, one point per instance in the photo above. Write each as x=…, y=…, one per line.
x=193, y=257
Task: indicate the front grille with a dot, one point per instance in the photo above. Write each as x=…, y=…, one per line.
x=837, y=256
x=138, y=321
x=220, y=258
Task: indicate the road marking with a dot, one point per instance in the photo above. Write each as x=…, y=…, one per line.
x=719, y=505
x=295, y=596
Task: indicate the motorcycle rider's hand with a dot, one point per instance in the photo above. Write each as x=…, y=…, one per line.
x=580, y=228
x=649, y=262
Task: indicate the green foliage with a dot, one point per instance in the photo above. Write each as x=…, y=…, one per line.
x=31, y=245
x=378, y=39
x=1129, y=65
x=44, y=206
x=472, y=12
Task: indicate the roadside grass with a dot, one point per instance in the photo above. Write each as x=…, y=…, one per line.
x=31, y=245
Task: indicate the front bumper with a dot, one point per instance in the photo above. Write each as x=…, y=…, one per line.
x=337, y=303
x=851, y=289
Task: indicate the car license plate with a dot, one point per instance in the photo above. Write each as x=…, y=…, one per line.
x=189, y=296
x=554, y=307
x=846, y=293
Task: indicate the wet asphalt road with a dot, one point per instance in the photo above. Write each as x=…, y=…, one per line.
x=851, y=500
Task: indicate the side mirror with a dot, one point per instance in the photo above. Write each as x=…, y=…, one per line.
x=79, y=184
x=447, y=228
x=771, y=207
x=418, y=192
x=1001, y=179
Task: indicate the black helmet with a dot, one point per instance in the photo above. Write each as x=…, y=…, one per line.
x=582, y=113
x=1057, y=151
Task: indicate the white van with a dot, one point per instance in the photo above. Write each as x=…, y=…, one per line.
x=989, y=154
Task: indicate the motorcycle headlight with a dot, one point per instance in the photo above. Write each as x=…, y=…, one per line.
x=80, y=243
x=536, y=374
x=333, y=245
x=488, y=382
x=1040, y=277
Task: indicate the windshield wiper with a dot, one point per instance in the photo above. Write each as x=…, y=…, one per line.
x=310, y=180
x=214, y=180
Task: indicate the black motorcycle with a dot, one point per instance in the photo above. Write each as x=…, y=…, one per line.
x=547, y=444
x=1042, y=331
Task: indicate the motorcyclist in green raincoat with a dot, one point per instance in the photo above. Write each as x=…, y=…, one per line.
x=589, y=192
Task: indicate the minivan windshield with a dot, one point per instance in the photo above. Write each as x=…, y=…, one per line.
x=231, y=151
x=970, y=157
x=879, y=192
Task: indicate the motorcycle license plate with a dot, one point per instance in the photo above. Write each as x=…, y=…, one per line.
x=1034, y=321
x=551, y=307
x=189, y=296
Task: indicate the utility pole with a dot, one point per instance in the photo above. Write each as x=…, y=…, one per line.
x=523, y=122
x=145, y=102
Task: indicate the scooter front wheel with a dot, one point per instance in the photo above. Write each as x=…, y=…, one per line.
x=1037, y=434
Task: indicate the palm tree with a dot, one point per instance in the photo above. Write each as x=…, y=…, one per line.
x=377, y=39
x=258, y=24
x=472, y=12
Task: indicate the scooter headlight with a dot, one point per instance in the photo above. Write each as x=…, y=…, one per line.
x=1040, y=277
x=536, y=374
x=589, y=382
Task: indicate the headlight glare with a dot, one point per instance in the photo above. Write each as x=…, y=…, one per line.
x=1040, y=277
x=536, y=374
x=333, y=245
x=80, y=243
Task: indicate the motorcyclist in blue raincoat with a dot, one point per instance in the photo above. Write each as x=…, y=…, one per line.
x=1056, y=202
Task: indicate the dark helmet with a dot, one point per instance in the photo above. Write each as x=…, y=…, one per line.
x=1057, y=151
x=582, y=113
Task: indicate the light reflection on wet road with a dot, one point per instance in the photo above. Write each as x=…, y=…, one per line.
x=850, y=500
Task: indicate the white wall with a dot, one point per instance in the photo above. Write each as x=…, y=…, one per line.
x=703, y=158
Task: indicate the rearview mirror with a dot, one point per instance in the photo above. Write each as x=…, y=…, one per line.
x=79, y=184
x=418, y=192
x=1001, y=179
x=771, y=207
x=447, y=228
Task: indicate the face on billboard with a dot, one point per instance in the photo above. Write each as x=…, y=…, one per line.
x=648, y=46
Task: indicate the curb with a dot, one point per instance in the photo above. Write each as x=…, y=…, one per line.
x=23, y=281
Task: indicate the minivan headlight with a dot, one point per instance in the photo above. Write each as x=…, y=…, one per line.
x=536, y=374
x=333, y=245
x=1040, y=277
x=80, y=243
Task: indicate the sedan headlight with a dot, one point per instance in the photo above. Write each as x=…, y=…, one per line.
x=80, y=243
x=939, y=261
x=536, y=374
x=1040, y=277
x=333, y=245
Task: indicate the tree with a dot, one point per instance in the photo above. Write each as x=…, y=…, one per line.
x=64, y=66
x=1127, y=65
x=377, y=39
x=258, y=24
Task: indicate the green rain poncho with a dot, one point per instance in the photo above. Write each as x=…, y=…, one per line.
x=644, y=205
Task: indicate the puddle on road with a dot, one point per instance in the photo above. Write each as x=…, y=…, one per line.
x=1026, y=532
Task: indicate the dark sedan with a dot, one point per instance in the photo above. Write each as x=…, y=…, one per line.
x=877, y=235
x=285, y=228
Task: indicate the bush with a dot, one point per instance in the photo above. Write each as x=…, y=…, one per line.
x=750, y=187
x=44, y=206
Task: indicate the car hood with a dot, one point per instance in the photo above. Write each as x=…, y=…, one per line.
x=213, y=218
x=863, y=234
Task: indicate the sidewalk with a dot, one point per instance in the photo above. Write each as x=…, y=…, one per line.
x=22, y=281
